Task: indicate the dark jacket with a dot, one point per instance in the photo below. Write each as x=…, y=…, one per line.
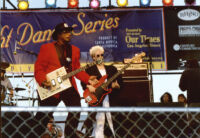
x=190, y=81
x=110, y=71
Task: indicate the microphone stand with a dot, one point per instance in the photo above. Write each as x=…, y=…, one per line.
x=35, y=54
x=29, y=52
x=150, y=70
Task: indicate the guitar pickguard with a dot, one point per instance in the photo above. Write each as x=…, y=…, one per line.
x=57, y=83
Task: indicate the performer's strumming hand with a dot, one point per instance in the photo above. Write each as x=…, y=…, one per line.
x=93, y=81
x=91, y=88
x=46, y=84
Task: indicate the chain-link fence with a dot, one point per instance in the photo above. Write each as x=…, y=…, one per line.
x=134, y=122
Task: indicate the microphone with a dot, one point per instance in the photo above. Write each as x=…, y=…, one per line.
x=27, y=84
x=19, y=48
x=29, y=52
x=15, y=51
x=147, y=42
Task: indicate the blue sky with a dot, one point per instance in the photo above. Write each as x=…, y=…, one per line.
x=85, y=3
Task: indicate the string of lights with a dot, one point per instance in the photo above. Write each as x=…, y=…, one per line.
x=122, y=3
x=168, y=2
x=50, y=3
x=23, y=4
x=145, y=3
x=73, y=3
x=93, y=4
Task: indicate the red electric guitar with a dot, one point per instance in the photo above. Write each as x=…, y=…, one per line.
x=102, y=90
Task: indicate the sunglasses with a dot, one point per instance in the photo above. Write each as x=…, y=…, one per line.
x=66, y=31
x=101, y=55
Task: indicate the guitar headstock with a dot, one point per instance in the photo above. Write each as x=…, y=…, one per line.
x=137, y=58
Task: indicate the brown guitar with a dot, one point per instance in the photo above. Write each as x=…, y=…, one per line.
x=101, y=91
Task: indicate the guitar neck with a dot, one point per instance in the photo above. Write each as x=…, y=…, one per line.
x=105, y=85
x=78, y=70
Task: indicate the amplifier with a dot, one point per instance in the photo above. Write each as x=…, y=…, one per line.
x=133, y=92
x=136, y=86
x=135, y=70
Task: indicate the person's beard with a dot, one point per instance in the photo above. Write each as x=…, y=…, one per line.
x=66, y=42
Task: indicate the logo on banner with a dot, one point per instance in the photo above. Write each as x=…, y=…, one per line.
x=189, y=30
x=188, y=14
x=176, y=47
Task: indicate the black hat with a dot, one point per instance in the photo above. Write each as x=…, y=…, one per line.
x=60, y=28
x=2, y=70
x=4, y=65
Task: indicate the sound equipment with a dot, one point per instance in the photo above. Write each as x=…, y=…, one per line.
x=136, y=85
x=134, y=71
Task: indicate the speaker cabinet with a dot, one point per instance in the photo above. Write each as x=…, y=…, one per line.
x=136, y=86
x=133, y=92
x=135, y=70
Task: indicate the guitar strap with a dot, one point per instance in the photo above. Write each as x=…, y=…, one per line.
x=68, y=58
x=65, y=57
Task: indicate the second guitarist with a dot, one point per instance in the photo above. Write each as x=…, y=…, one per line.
x=97, y=53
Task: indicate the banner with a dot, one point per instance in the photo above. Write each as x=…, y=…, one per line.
x=182, y=25
x=121, y=32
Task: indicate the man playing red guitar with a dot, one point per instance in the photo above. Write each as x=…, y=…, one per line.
x=51, y=57
x=97, y=53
